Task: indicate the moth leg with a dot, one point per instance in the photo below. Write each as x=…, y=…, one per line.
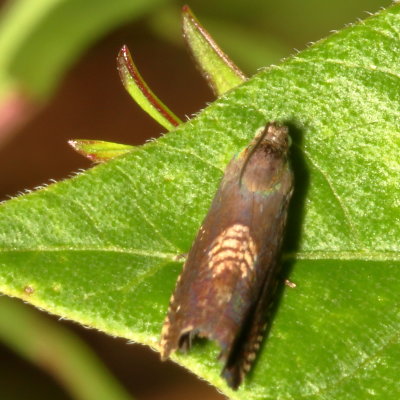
x=290, y=284
x=185, y=341
x=181, y=257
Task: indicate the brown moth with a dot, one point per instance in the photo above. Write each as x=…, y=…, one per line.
x=228, y=281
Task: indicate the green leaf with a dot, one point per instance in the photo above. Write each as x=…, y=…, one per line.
x=99, y=150
x=217, y=68
x=141, y=93
x=101, y=248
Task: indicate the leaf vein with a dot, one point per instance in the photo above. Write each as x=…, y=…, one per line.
x=147, y=219
x=113, y=249
x=337, y=197
x=301, y=255
x=191, y=154
x=368, y=360
x=149, y=273
x=360, y=255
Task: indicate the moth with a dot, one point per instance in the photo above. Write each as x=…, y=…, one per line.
x=228, y=281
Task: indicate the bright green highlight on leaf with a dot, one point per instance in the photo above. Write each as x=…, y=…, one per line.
x=99, y=150
x=56, y=350
x=142, y=94
x=102, y=248
x=218, y=69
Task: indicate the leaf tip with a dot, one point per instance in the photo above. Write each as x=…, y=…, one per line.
x=73, y=143
x=98, y=150
x=186, y=9
x=81, y=147
x=220, y=72
x=124, y=61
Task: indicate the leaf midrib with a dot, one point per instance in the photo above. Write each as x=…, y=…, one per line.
x=361, y=255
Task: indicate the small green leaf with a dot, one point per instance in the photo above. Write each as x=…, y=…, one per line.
x=142, y=94
x=99, y=150
x=217, y=68
x=101, y=248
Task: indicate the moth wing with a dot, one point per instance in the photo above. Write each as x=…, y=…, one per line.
x=214, y=292
x=247, y=345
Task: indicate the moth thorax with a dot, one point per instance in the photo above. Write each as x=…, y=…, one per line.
x=263, y=170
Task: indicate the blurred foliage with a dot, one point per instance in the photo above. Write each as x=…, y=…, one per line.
x=56, y=350
x=40, y=40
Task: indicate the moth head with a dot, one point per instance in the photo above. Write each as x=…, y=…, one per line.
x=276, y=135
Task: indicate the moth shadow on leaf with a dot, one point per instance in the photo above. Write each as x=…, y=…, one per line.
x=296, y=210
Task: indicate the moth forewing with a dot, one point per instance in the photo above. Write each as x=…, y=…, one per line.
x=230, y=275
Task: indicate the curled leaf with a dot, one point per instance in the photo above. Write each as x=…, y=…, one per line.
x=141, y=93
x=218, y=69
